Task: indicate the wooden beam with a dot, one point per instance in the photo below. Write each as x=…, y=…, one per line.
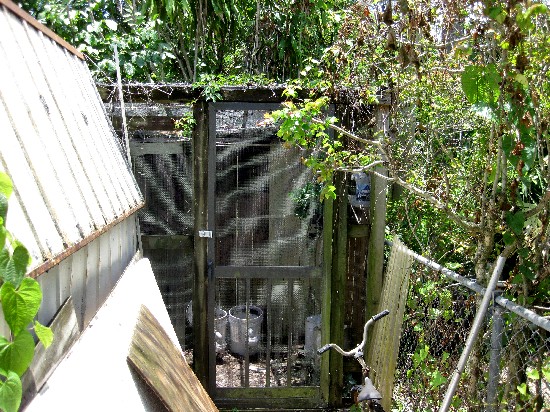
x=379, y=190
x=200, y=284
x=336, y=236
x=328, y=225
x=162, y=366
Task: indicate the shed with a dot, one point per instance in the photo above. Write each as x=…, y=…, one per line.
x=75, y=197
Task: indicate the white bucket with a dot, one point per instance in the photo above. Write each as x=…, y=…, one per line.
x=313, y=335
x=220, y=325
x=240, y=334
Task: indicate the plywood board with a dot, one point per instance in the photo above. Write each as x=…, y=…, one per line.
x=157, y=360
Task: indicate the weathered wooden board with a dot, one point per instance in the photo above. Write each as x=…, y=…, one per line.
x=66, y=331
x=157, y=360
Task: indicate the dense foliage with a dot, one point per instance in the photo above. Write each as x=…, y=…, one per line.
x=180, y=40
x=467, y=139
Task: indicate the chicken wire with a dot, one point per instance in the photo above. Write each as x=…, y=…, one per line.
x=266, y=221
x=508, y=369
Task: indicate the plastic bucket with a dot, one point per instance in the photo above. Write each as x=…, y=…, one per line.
x=242, y=333
x=313, y=335
x=220, y=325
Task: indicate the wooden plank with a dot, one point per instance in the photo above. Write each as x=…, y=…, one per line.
x=161, y=148
x=201, y=213
x=66, y=332
x=379, y=190
x=338, y=280
x=275, y=398
x=386, y=335
x=355, y=289
x=161, y=364
x=328, y=226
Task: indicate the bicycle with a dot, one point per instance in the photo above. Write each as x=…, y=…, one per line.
x=366, y=393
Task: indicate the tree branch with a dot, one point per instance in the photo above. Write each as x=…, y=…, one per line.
x=375, y=143
x=459, y=220
x=540, y=207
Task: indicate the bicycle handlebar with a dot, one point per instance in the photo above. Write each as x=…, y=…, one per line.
x=380, y=315
x=323, y=349
x=358, y=350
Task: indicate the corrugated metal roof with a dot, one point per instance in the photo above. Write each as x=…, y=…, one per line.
x=71, y=178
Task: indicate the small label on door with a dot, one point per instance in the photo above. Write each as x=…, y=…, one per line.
x=205, y=233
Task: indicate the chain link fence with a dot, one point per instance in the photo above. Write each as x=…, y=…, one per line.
x=508, y=368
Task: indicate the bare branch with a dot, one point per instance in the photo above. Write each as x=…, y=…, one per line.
x=459, y=220
x=346, y=133
x=540, y=207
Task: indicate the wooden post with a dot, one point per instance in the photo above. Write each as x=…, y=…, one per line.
x=379, y=189
x=335, y=237
x=200, y=202
x=328, y=225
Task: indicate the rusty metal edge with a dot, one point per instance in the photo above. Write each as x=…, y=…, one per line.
x=19, y=12
x=50, y=263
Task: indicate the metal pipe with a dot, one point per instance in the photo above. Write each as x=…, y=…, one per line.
x=478, y=321
x=472, y=285
x=494, y=363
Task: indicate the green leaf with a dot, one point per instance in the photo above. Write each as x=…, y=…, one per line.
x=437, y=379
x=526, y=271
x=17, y=355
x=11, y=392
x=480, y=84
x=6, y=185
x=44, y=333
x=496, y=13
x=516, y=221
x=533, y=374
x=20, y=305
x=520, y=78
x=13, y=268
x=522, y=389
x=508, y=238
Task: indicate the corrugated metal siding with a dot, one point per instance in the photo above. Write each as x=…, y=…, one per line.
x=71, y=179
x=89, y=274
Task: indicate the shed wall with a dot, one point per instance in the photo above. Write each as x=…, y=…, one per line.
x=75, y=196
x=72, y=181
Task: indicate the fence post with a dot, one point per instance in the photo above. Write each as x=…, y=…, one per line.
x=496, y=352
x=200, y=285
x=476, y=327
x=378, y=204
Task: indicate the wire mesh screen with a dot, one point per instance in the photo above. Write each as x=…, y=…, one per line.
x=270, y=331
x=508, y=369
x=165, y=181
x=268, y=235
x=163, y=168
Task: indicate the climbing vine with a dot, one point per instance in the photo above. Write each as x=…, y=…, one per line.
x=21, y=298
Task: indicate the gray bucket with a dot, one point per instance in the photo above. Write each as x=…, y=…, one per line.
x=240, y=334
x=220, y=325
x=313, y=336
